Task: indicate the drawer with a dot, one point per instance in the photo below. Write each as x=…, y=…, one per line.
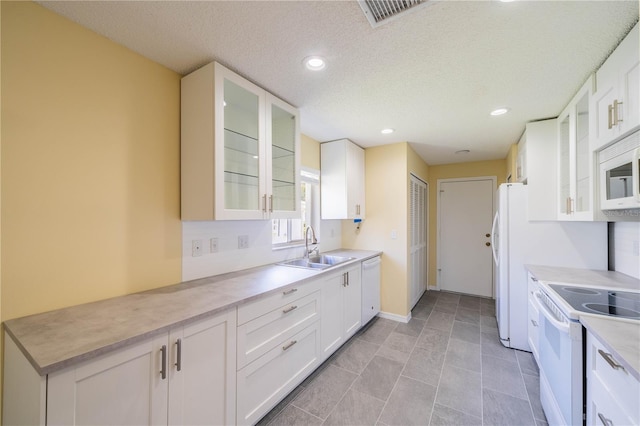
x=260, y=335
x=533, y=328
x=267, y=380
x=602, y=407
x=267, y=304
x=532, y=285
x=622, y=386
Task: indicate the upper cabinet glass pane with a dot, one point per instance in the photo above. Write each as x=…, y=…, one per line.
x=241, y=149
x=583, y=197
x=565, y=161
x=283, y=143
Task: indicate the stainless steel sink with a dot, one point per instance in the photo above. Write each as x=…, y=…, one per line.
x=322, y=261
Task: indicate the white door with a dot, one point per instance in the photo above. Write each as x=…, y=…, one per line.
x=465, y=219
x=202, y=372
x=332, y=314
x=125, y=387
x=418, y=239
x=352, y=302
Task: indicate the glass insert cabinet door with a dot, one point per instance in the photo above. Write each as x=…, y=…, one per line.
x=564, y=170
x=242, y=168
x=283, y=151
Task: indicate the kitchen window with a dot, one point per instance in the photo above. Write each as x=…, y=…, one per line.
x=290, y=232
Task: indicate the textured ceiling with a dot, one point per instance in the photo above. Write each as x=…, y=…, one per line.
x=433, y=75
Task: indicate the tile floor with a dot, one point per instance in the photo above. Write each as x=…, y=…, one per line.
x=445, y=367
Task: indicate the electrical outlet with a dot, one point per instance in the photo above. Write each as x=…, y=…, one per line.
x=213, y=242
x=243, y=241
x=196, y=248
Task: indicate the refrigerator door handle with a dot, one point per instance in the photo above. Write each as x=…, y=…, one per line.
x=494, y=246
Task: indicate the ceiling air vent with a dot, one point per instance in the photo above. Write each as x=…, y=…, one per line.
x=380, y=12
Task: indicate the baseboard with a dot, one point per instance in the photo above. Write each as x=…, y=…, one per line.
x=395, y=317
x=433, y=288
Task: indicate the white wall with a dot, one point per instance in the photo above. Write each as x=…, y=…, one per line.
x=625, y=247
x=229, y=258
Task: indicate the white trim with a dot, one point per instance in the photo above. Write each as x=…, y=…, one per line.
x=395, y=317
x=438, y=242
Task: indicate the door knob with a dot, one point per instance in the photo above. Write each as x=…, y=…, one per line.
x=487, y=244
x=487, y=235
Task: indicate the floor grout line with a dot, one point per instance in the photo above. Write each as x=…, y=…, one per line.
x=430, y=306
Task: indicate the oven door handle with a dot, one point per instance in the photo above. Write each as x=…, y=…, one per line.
x=562, y=326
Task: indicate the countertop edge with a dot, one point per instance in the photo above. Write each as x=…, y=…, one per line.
x=49, y=368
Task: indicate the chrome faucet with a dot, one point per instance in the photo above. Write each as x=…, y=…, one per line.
x=314, y=240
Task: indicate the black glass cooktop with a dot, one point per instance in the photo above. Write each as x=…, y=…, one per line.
x=598, y=301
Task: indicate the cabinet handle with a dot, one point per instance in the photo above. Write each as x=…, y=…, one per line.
x=264, y=203
x=293, y=290
x=270, y=203
x=163, y=369
x=609, y=358
x=289, y=309
x=344, y=280
x=605, y=421
x=609, y=116
x=534, y=279
x=616, y=119
x=535, y=324
x=178, y=354
x=288, y=345
x=347, y=275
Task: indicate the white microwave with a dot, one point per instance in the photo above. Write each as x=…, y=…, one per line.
x=619, y=174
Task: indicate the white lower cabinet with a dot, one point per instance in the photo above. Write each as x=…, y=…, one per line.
x=341, y=308
x=533, y=325
x=278, y=347
x=267, y=380
x=186, y=376
x=612, y=392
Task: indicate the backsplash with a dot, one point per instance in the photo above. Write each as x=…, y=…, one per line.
x=625, y=246
x=229, y=258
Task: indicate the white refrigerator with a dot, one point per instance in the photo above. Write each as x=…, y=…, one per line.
x=516, y=242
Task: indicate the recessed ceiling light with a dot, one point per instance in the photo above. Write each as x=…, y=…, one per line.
x=499, y=111
x=387, y=131
x=314, y=63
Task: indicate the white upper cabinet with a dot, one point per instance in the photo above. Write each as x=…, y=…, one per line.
x=537, y=168
x=616, y=101
x=342, y=180
x=240, y=149
x=576, y=173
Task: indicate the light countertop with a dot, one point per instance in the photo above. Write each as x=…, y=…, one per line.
x=58, y=339
x=620, y=336
x=584, y=277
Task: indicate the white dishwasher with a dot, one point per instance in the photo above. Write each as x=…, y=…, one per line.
x=370, y=289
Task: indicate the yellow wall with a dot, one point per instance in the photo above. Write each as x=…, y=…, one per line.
x=310, y=152
x=510, y=161
x=448, y=171
x=387, y=210
x=90, y=166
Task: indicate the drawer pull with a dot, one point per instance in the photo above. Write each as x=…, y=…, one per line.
x=289, y=309
x=293, y=290
x=535, y=324
x=534, y=279
x=288, y=345
x=163, y=369
x=609, y=358
x=605, y=421
x=178, y=363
